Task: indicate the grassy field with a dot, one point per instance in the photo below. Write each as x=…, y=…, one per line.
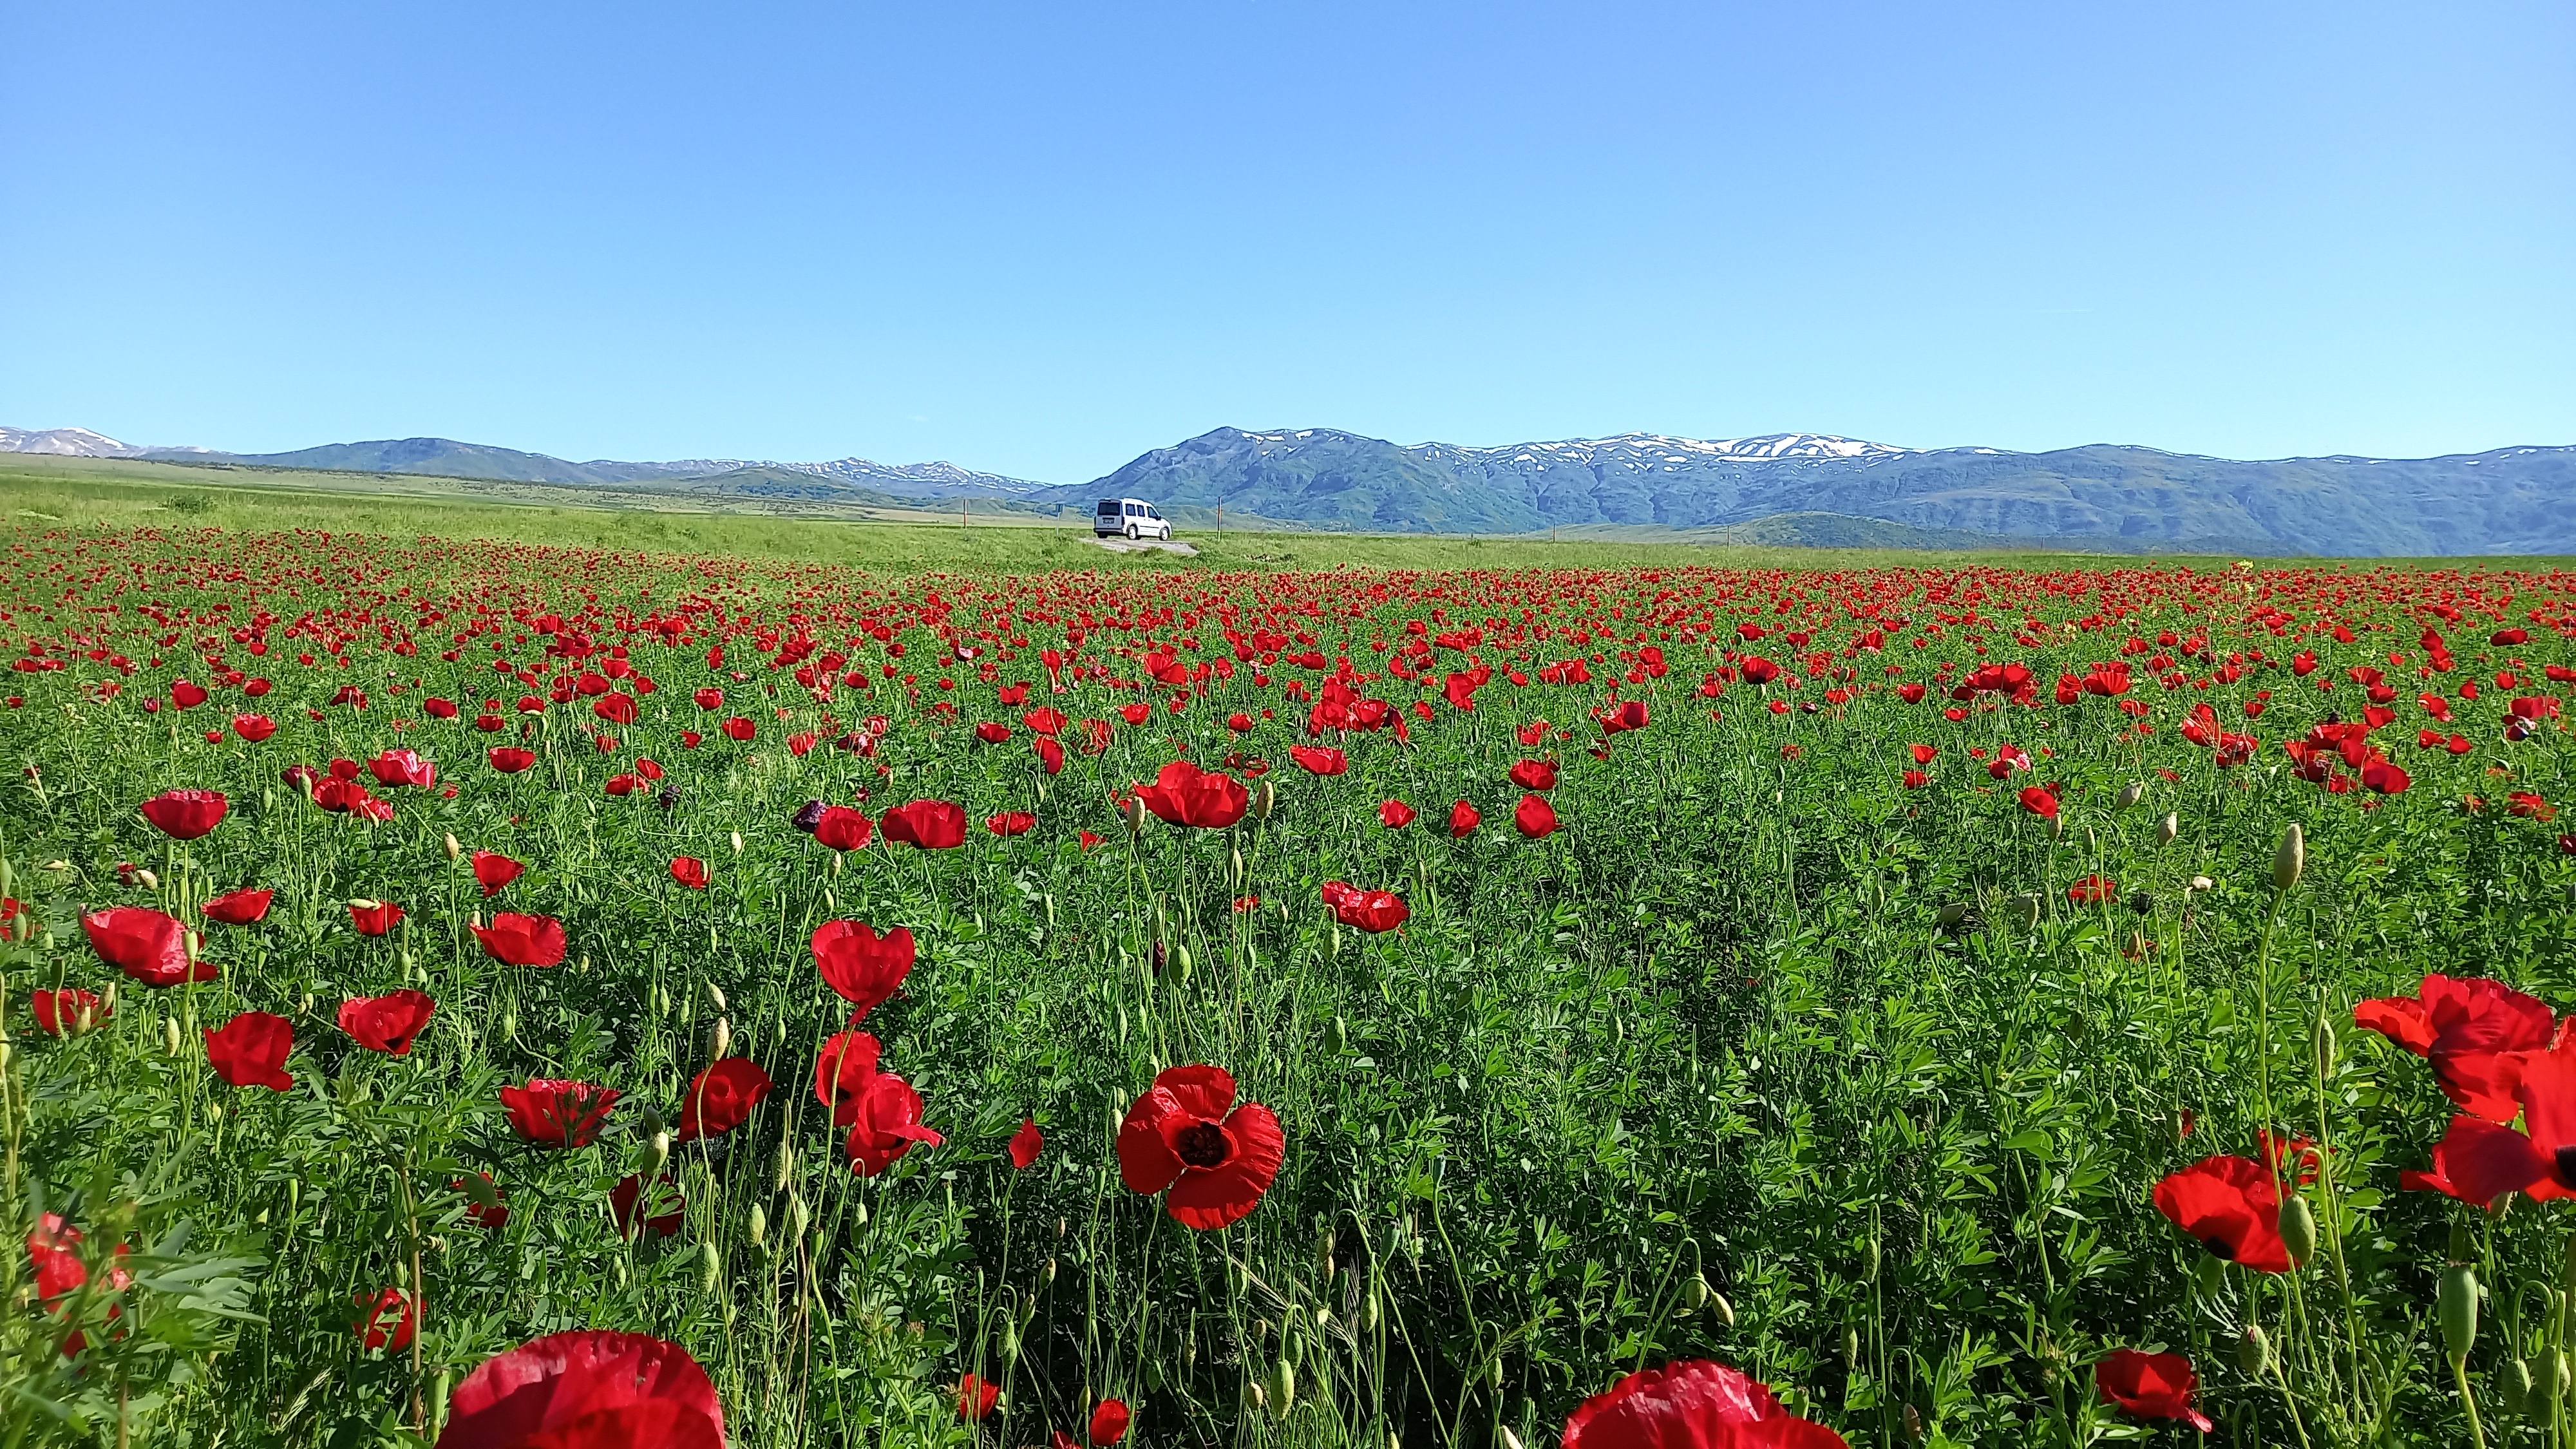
x=1877, y=975
x=109, y=493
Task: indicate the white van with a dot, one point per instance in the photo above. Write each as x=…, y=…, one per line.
x=1133, y=517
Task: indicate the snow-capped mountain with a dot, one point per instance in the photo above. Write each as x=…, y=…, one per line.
x=66, y=443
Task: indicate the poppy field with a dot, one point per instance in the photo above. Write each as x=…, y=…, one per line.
x=487, y=994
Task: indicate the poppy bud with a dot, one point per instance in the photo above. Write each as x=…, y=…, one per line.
x=1851, y=1350
x=2130, y=794
x=2298, y=1229
x=1869, y=1259
x=715, y=994
x=2289, y=859
x=2203, y=883
x=2212, y=1274
x=1046, y=1275
x=2254, y=1351
x=723, y=1037
x=661, y=1150
x=2516, y=1383
x=1951, y=914
x=451, y=847
x=2056, y=827
x=1504, y=1438
x=710, y=1269
x=149, y=880
x=1725, y=1310
x=759, y=1226
x=1134, y=811
x=1283, y=1389
x=2168, y=828
x=1254, y=1396
x=2455, y=1306
x=786, y=1169
x=2325, y=1046
x=170, y=1034
x=1695, y=1292
x=1324, y=1252
x=2025, y=910
x=1913, y=1425
x=737, y=842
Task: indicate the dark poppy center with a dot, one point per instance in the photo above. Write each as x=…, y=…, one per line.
x=2219, y=1248
x=2564, y=1160
x=1202, y=1144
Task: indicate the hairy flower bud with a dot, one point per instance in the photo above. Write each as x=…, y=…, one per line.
x=2455, y=1306
x=2290, y=858
x=2298, y=1229
x=2254, y=1351
x=2168, y=828
x=2130, y=794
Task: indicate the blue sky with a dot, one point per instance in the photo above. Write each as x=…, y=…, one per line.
x=1042, y=238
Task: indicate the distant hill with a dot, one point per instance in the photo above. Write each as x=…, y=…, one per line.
x=1783, y=488
x=2511, y=500
x=447, y=458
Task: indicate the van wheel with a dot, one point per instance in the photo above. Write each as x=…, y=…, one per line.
x=1131, y=533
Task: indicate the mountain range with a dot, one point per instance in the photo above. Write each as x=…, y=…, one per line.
x=1785, y=488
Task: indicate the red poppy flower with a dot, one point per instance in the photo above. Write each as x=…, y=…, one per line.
x=689, y=871
x=144, y=944
x=1186, y=1134
x=587, y=1389
x=841, y=828
x=1135, y=714
x=250, y=1051
x=1691, y=1404
x=1463, y=820
x=493, y=870
x=185, y=814
x=388, y=1321
x=2230, y=1206
x=2093, y=890
x=486, y=1206
x=1534, y=774
x=403, y=767
x=721, y=1098
x=1395, y=814
x=1010, y=822
x=1050, y=755
x=1026, y=1143
x=738, y=729
x=2151, y=1385
x=68, y=1010
x=514, y=939
x=976, y=1398
x=2384, y=777
x=662, y=1211
x=708, y=697
x=1628, y=714
x=387, y=1023
x=1109, y=1422
x=1184, y=794
x=374, y=918
x=865, y=968
x=1916, y=779
x=554, y=1112
x=1319, y=759
x=239, y=908
x=841, y=1073
x=510, y=759
x=1924, y=754
x=2039, y=801
x=1534, y=817
x=2472, y=1030
x=993, y=732
x=885, y=1122
x=1370, y=911
x=254, y=727
x=186, y=695
x=926, y=825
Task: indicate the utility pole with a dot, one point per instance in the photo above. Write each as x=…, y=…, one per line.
x=961, y=510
